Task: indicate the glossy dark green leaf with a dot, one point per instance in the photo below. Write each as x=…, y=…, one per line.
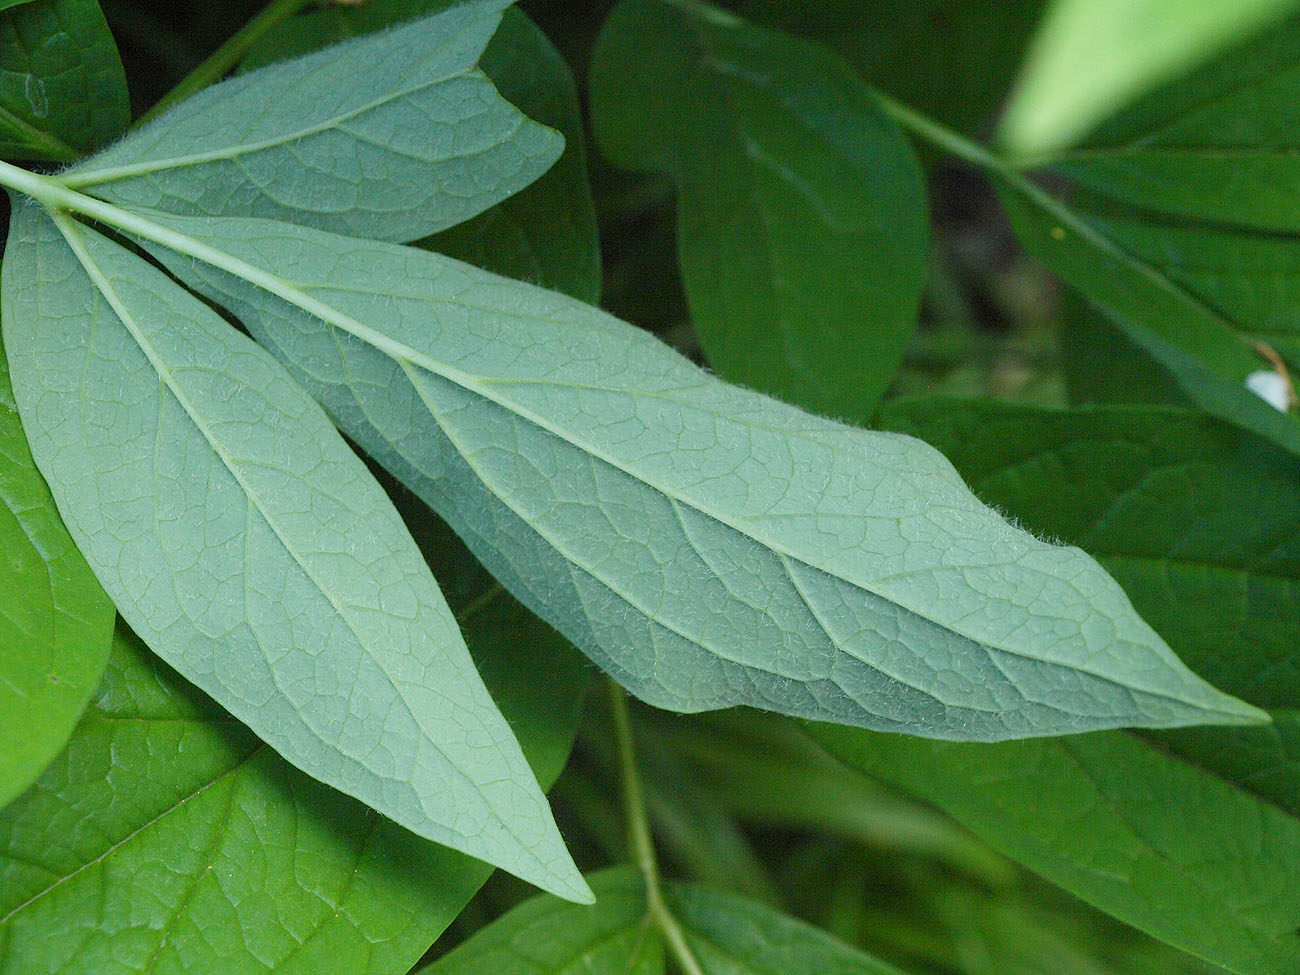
x=1195, y=838
x=726, y=935
x=55, y=621
x=168, y=839
x=1179, y=222
x=801, y=208
x=546, y=233
x=62, y=90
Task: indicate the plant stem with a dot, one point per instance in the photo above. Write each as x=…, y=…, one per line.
x=227, y=55
x=639, y=839
x=940, y=135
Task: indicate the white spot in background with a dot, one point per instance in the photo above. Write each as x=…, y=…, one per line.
x=1271, y=387
x=34, y=89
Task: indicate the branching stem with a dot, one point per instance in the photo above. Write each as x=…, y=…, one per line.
x=640, y=841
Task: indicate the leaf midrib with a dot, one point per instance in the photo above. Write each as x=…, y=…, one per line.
x=71, y=234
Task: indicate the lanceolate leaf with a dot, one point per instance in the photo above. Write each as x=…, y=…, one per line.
x=1190, y=836
x=168, y=838
x=727, y=935
x=55, y=621
x=802, y=219
x=704, y=544
x=62, y=90
x=545, y=233
x=391, y=137
x=249, y=547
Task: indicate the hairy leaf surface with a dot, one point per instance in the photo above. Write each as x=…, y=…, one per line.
x=167, y=838
x=802, y=227
x=55, y=621
x=244, y=541
x=62, y=90
x=1188, y=835
x=392, y=137
x=705, y=545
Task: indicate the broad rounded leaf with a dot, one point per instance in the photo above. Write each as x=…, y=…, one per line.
x=802, y=225
x=704, y=544
x=251, y=549
x=393, y=136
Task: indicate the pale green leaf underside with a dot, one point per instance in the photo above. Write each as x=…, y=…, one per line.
x=242, y=539
x=55, y=621
x=393, y=136
x=727, y=935
x=704, y=544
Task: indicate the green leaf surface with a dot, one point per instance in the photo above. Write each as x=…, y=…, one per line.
x=1205, y=353
x=951, y=59
x=545, y=233
x=62, y=90
x=802, y=225
x=728, y=935
x=168, y=839
x=251, y=549
x=393, y=136
x=704, y=544
x=55, y=621
x=1091, y=57
x=1189, y=835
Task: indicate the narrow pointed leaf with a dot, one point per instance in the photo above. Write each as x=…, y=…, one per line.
x=545, y=233
x=168, y=838
x=62, y=89
x=802, y=226
x=393, y=136
x=55, y=621
x=704, y=544
x=243, y=540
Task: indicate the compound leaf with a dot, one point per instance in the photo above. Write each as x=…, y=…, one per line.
x=55, y=621
x=250, y=548
x=393, y=136
x=802, y=225
x=705, y=545
x=62, y=89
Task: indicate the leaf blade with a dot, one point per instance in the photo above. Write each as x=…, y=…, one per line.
x=261, y=559
x=476, y=363
x=391, y=137
x=802, y=227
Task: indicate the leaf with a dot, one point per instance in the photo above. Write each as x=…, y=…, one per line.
x=1190, y=836
x=168, y=838
x=1091, y=57
x=951, y=59
x=1177, y=223
x=247, y=545
x=545, y=233
x=392, y=137
x=705, y=545
x=62, y=90
x=802, y=219
x=546, y=936
x=55, y=621
x=728, y=936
